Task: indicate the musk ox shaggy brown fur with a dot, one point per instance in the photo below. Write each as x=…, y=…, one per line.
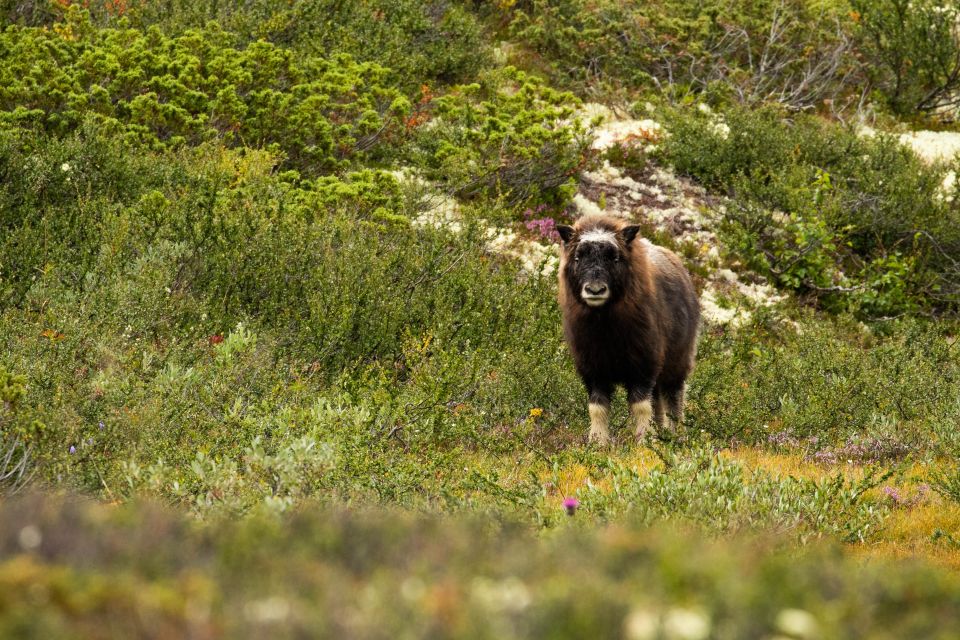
x=630, y=318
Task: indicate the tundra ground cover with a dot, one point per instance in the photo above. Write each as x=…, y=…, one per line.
x=259, y=331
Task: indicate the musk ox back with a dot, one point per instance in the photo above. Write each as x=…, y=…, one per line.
x=630, y=318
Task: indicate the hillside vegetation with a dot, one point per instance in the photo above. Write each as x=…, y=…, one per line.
x=280, y=352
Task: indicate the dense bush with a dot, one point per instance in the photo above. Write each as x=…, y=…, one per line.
x=165, y=91
x=804, y=55
x=508, y=137
x=912, y=53
x=825, y=384
x=419, y=41
x=747, y=51
x=858, y=222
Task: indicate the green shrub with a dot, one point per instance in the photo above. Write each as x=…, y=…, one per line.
x=509, y=137
x=826, y=383
x=911, y=52
x=18, y=433
x=858, y=223
x=322, y=113
x=796, y=53
x=419, y=41
x=721, y=495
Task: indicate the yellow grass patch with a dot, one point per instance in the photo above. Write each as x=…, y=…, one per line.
x=782, y=465
x=909, y=533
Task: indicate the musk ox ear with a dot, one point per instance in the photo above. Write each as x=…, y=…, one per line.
x=629, y=233
x=566, y=232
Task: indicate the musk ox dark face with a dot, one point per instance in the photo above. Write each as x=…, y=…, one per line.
x=596, y=266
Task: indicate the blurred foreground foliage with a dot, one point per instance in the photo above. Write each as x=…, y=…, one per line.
x=73, y=568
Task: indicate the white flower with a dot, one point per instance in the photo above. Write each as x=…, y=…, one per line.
x=640, y=624
x=797, y=623
x=65, y=167
x=686, y=624
x=269, y=610
x=29, y=537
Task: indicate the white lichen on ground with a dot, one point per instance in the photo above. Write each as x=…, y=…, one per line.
x=933, y=146
x=442, y=211
x=534, y=257
x=930, y=146
x=612, y=130
x=438, y=210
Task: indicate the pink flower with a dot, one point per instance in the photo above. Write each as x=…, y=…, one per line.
x=571, y=504
x=545, y=228
x=893, y=494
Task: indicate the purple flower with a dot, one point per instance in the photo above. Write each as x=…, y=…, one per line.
x=893, y=494
x=529, y=213
x=783, y=438
x=825, y=457
x=101, y=425
x=73, y=449
x=570, y=505
x=546, y=228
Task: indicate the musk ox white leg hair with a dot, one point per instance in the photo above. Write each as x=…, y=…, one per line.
x=599, y=423
x=630, y=317
x=640, y=414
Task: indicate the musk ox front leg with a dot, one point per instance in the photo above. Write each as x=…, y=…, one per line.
x=599, y=406
x=641, y=409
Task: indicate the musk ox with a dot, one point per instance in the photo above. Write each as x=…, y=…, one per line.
x=630, y=318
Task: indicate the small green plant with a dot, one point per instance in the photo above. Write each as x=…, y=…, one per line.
x=18, y=433
x=912, y=52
